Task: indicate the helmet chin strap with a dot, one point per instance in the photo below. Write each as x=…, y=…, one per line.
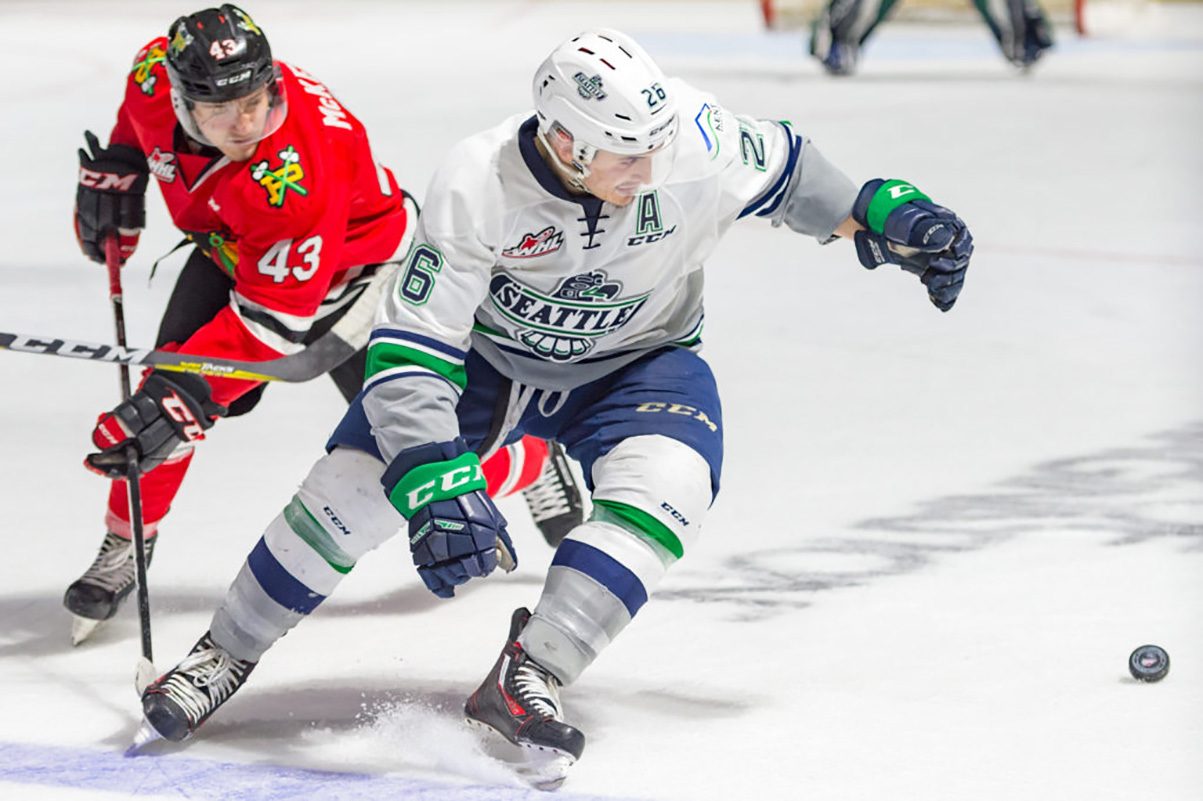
x=576, y=172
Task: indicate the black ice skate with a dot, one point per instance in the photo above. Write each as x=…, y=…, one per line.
x=520, y=701
x=97, y=595
x=554, y=500
x=179, y=701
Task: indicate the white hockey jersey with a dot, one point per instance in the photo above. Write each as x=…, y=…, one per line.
x=555, y=289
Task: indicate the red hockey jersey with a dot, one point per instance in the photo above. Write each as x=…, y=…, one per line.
x=290, y=225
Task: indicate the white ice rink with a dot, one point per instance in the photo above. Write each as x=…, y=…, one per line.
x=939, y=536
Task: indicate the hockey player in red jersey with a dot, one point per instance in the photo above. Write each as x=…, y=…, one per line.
x=289, y=216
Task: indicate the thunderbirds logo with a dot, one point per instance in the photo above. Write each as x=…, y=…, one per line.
x=144, y=68
x=565, y=325
x=589, y=88
x=284, y=178
x=546, y=241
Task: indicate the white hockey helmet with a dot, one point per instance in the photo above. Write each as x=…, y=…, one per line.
x=605, y=92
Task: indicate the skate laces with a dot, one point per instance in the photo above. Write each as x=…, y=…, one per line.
x=538, y=688
x=113, y=567
x=548, y=496
x=204, y=680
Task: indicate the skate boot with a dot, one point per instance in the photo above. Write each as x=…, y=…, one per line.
x=520, y=701
x=183, y=698
x=841, y=59
x=97, y=594
x=554, y=500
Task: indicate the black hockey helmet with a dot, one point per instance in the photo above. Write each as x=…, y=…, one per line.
x=218, y=54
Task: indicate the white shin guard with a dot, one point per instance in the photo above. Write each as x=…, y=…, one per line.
x=338, y=514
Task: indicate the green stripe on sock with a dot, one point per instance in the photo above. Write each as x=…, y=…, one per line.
x=305, y=526
x=387, y=355
x=638, y=521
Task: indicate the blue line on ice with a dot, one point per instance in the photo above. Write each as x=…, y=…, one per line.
x=189, y=777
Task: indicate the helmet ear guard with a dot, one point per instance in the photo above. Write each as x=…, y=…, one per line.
x=577, y=169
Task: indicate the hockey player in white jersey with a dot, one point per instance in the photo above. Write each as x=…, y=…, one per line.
x=555, y=288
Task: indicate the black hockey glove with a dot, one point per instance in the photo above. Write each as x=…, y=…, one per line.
x=455, y=530
x=905, y=228
x=164, y=414
x=110, y=198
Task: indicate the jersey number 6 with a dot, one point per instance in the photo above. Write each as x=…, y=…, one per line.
x=418, y=279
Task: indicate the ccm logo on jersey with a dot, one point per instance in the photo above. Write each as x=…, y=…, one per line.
x=649, y=223
x=106, y=180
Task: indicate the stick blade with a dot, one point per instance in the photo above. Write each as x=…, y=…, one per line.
x=144, y=675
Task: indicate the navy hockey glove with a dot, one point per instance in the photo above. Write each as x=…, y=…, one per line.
x=907, y=229
x=110, y=198
x=164, y=414
x=455, y=531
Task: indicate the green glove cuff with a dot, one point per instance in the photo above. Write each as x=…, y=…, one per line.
x=437, y=481
x=889, y=196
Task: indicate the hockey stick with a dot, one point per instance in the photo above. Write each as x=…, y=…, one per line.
x=145, y=671
x=334, y=347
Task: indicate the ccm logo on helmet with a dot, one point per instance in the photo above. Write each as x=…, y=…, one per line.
x=106, y=180
x=239, y=78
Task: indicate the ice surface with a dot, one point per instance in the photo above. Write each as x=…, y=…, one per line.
x=939, y=536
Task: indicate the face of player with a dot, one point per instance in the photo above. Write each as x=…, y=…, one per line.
x=235, y=126
x=616, y=178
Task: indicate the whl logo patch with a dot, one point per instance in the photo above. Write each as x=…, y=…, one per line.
x=565, y=325
x=162, y=165
x=549, y=240
x=281, y=180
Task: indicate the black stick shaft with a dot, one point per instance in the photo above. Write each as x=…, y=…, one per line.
x=112, y=258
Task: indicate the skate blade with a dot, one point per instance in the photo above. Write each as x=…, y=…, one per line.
x=144, y=675
x=82, y=628
x=146, y=735
x=542, y=768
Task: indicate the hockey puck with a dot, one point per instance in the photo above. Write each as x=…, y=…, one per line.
x=1149, y=663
